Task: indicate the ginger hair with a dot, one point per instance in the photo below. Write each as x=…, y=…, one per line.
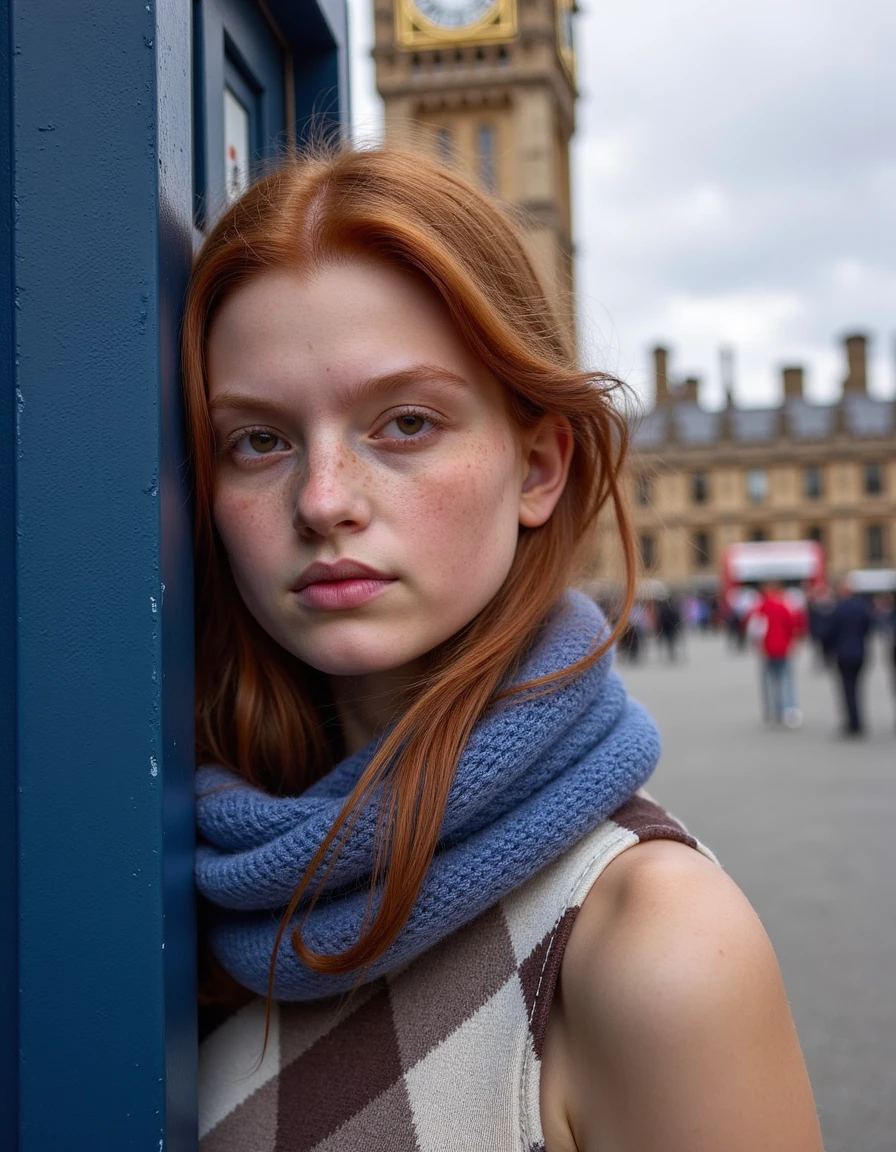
x=256, y=707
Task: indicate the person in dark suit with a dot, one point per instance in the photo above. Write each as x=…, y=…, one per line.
x=848, y=627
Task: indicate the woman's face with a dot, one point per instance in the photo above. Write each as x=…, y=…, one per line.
x=369, y=482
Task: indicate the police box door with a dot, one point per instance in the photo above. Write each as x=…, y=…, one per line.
x=241, y=119
x=262, y=74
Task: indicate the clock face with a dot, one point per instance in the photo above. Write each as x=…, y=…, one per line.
x=454, y=13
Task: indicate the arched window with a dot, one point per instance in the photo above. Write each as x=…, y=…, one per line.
x=757, y=485
x=445, y=145
x=485, y=156
x=701, y=549
x=874, y=479
x=875, y=544
x=813, y=482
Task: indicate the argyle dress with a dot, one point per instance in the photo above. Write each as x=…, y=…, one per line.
x=443, y=1055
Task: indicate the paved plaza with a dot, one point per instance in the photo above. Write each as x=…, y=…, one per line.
x=805, y=822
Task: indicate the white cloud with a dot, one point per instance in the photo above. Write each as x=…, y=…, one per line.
x=734, y=177
x=367, y=108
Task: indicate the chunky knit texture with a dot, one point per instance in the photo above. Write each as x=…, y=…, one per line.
x=444, y=1055
x=537, y=775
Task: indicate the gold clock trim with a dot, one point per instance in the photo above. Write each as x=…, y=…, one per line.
x=413, y=30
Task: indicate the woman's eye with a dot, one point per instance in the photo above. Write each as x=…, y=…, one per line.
x=258, y=444
x=406, y=425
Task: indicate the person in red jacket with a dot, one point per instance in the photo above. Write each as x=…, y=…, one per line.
x=774, y=626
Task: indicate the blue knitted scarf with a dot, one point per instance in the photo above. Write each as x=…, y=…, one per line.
x=536, y=776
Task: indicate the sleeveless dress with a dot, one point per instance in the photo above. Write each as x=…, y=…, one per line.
x=443, y=1055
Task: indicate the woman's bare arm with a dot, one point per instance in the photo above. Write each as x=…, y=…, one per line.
x=672, y=1031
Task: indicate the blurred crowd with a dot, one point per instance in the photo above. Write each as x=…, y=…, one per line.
x=771, y=621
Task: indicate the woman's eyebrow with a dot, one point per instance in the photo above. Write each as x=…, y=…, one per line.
x=365, y=389
x=392, y=381
x=241, y=402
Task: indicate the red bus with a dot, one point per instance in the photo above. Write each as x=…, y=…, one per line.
x=793, y=563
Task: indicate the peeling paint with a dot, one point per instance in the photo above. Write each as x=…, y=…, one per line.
x=20, y=411
x=153, y=766
x=153, y=604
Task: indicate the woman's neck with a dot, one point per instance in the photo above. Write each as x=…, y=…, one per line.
x=366, y=705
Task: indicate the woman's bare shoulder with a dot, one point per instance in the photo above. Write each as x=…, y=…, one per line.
x=673, y=1020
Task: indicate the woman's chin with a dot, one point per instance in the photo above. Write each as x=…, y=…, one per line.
x=355, y=661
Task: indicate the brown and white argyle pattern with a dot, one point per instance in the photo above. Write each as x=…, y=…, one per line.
x=444, y=1055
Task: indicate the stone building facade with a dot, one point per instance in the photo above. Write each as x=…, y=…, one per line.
x=699, y=480
x=488, y=86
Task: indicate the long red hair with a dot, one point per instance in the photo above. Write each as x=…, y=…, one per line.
x=256, y=709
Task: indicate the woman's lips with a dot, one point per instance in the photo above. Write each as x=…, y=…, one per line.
x=334, y=595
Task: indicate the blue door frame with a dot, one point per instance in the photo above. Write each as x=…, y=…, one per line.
x=97, y=969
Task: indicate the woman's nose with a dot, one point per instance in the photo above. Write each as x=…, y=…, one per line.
x=330, y=495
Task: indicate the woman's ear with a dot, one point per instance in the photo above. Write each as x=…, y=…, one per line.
x=547, y=452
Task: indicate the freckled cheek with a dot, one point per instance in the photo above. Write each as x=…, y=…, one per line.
x=248, y=530
x=468, y=518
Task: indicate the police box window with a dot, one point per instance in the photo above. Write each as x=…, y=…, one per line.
x=699, y=487
x=236, y=146
x=874, y=479
x=757, y=485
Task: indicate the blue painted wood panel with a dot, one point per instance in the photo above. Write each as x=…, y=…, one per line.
x=97, y=987
x=102, y=192
x=9, y=902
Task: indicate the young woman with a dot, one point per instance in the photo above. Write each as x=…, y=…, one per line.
x=439, y=914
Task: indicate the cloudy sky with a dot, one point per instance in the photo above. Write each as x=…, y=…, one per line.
x=734, y=174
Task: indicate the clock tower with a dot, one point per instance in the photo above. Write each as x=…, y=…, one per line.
x=488, y=86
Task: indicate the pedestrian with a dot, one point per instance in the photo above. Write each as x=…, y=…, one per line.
x=820, y=605
x=431, y=918
x=669, y=626
x=889, y=617
x=848, y=627
x=742, y=599
x=636, y=631
x=774, y=627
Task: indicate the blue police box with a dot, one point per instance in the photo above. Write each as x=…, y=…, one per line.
x=124, y=129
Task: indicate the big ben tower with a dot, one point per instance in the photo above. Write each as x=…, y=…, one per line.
x=489, y=87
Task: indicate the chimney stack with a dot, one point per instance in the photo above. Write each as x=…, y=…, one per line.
x=691, y=389
x=856, y=359
x=660, y=375
x=726, y=368
x=793, y=383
